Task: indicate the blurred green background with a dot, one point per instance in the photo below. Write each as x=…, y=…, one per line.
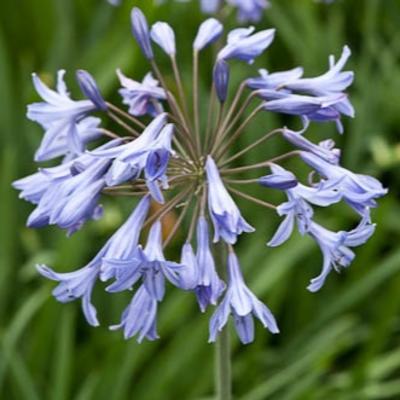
x=342, y=343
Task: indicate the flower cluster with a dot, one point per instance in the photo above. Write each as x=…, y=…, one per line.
x=165, y=152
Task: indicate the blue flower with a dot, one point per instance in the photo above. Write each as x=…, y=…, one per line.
x=54, y=146
x=335, y=248
x=157, y=162
x=275, y=80
x=209, y=286
x=190, y=272
x=142, y=98
x=139, y=318
x=326, y=149
x=250, y=10
x=59, y=115
x=246, y=46
x=314, y=108
x=155, y=267
x=209, y=31
x=297, y=209
x=131, y=158
x=149, y=264
x=335, y=81
x=164, y=36
x=243, y=305
x=80, y=283
x=224, y=213
x=359, y=191
x=71, y=201
x=75, y=285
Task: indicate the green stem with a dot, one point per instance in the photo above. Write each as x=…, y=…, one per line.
x=223, y=374
x=223, y=366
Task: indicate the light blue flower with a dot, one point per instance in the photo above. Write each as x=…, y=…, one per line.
x=224, y=213
x=75, y=285
x=71, y=201
x=59, y=115
x=190, y=272
x=142, y=98
x=130, y=159
x=209, y=31
x=275, y=80
x=335, y=81
x=245, y=45
x=243, y=305
x=326, y=149
x=139, y=318
x=209, y=286
x=54, y=146
x=297, y=209
x=162, y=34
x=80, y=283
x=335, y=248
x=359, y=191
x=155, y=267
x=320, y=109
x=148, y=264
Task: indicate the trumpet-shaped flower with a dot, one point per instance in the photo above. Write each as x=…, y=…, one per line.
x=224, y=213
x=139, y=318
x=243, y=305
x=59, y=115
x=142, y=98
x=245, y=45
x=209, y=286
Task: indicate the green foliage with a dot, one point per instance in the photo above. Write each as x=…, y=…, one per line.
x=342, y=343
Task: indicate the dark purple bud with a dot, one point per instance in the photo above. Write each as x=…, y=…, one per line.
x=221, y=79
x=90, y=90
x=140, y=31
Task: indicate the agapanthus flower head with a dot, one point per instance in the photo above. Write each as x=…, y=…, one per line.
x=180, y=155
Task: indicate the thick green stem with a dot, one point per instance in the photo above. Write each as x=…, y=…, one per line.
x=223, y=366
x=223, y=373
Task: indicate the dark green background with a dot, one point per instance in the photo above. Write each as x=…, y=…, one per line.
x=342, y=343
